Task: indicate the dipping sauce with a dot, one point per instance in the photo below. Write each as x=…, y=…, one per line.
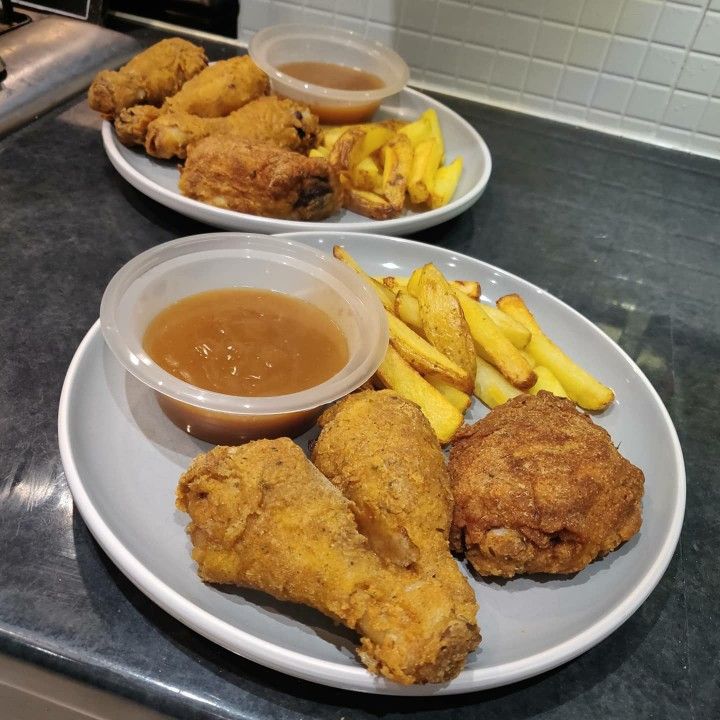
x=332, y=75
x=337, y=77
x=241, y=341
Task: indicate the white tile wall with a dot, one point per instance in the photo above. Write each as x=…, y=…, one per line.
x=646, y=69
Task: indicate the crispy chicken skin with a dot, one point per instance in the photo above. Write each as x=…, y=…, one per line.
x=382, y=454
x=263, y=517
x=149, y=77
x=271, y=120
x=539, y=488
x=229, y=172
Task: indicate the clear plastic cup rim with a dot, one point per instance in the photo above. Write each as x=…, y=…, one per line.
x=127, y=347
x=262, y=42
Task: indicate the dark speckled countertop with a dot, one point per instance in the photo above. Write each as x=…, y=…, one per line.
x=626, y=233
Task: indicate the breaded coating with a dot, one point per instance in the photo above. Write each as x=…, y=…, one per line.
x=281, y=123
x=539, y=488
x=131, y=124
x=382, y=454
x=232, y=173
x=263, y=517
x=149, y=77
x=221, y=88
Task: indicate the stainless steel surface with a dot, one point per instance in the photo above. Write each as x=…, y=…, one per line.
x=51, y=59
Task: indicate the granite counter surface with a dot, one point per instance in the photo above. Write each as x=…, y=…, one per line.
x=628, y=234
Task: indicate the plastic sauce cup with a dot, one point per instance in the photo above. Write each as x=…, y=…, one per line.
x=169, y=272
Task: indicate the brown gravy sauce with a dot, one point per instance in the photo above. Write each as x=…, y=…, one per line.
x=332, y=75
x=248, y=342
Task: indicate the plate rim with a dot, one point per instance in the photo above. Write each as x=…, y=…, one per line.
x=256, y=223
x=350, y=677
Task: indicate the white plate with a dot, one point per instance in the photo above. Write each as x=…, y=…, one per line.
x=122, y=459
x=158, y=179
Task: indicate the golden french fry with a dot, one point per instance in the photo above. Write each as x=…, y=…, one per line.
x=356, y=144
x=580, y=386
x=395, y=373
x=366, y=175
x=319, y=152
x=394, y=281
x=493, y=345
x=386, y=296
x=445, y=183
x=470, y=287
x=397, y=164
x=435, y=132
x=547, y=381
x=369, y=204
x=417, y=131
x=490, y=386
x=457, y=397
x=413, y=285
x=423, y=356
x=443, y=321
x=514, y=331
x=532, y=362
x=407, y=309
x=425, y=164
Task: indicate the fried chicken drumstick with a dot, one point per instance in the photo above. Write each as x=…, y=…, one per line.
x=263, y=517
x=229, y=172
x=382, y=454
x=539, y=488
x=217, y=91
x=149, y=77
x=282, y=123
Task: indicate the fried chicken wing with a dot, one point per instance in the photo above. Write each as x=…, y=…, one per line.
x=382, y=454
x=263, y=517
x=271, y=120
x=229, y=172
x=539, y=488
x=149, y=77
x=221, y=88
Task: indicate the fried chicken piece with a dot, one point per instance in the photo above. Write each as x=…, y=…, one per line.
x=229, y=172
x=281, y=123
x=217, y=91
x=263, y=517
x=382, y=454
x=132, y=123
x=221, y=88
x=149, y=77
x=539, y=488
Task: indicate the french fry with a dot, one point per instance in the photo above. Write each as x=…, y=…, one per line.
x=356, y=144
x=547, y=381
x=413, y=285
x=425, y=164
x=514, y=331
x=490, y=386
x=445, y=183
x=580, y=386
x=417, y=131
x=494, y=346
x=470, y=287
x=397, y=164
x=423, y=356
x=366, y=175
x=407, y=309
x=435, y=132
x=369, y=204
x=319, y=152
x=395, y=373
x=457, y=397
x=386, y=296
x=532, y=362
x=444, y=323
